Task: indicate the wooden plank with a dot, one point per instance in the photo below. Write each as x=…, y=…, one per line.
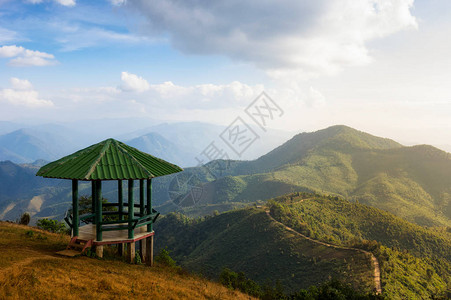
x=69, y=253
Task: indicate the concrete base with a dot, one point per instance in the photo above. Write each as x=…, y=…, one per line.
x=99, y=251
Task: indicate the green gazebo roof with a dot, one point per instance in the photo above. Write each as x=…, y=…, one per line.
x=108, y=160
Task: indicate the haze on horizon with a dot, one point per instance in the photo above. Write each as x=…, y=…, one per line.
x=379, y=66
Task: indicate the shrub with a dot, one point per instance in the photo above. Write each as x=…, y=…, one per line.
x=164, y=258
x=238, y=281
x=52, y=225
x=25, y=219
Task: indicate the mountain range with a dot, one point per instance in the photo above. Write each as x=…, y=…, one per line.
x=411, y=182
x=180, y=142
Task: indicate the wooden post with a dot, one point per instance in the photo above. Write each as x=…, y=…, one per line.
x=141, y=197
x=93, y=198
x=76, y=218
x=99, y=251
x=99, y=210
x=131, y=209
x=149, y=252
x=121, y=249
x=131, y=252
x=120, y=198
x=149, y=203
x=142, y=249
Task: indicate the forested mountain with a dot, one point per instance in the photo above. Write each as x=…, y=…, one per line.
x=414, y=261
x=411, y=182
x=249, y=241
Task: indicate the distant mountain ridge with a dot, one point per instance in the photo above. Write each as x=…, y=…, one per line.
x=184, y=141
x=27, y=145
x=411, y=182
x=156, y=145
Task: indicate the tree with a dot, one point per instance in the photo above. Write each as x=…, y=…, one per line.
x=25, y=219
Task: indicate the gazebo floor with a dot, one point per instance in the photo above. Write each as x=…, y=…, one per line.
x=88, y=232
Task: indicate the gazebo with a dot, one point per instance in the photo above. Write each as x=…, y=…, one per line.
x=111, y=223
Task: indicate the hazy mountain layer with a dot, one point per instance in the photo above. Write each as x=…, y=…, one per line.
x=411, y=182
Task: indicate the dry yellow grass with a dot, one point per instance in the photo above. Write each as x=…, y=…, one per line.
x=29, y=269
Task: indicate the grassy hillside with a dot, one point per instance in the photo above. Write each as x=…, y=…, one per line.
x=248, y=241
x=411, y=182
x=414, y=261
x=30, y=269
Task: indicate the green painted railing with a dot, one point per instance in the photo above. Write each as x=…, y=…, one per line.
x=138, y=219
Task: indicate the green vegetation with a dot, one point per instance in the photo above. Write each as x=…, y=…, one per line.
x=52, y=225
x=333, y=289
x=341, y=222
x=24, y=219
x=164, y=258
x=411, y=182
x=414, y=261
x=405, y=276
x=248, y=241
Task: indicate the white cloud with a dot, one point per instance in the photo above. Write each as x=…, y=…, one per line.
x=62, y=2
x=77, y=37
x=91, y=95
x=11, y=51
x=203, y=96
x=23, y=94
x=315, y=98
x=7, y=35
x=133, y=83
x=118, y=2
x=308, y=37
x=22, y=57
x=66, y=2
x=20, y=84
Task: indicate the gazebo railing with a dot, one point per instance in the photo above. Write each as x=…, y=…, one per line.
x=140, y=218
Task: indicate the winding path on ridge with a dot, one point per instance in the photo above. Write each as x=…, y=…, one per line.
x=375, y=262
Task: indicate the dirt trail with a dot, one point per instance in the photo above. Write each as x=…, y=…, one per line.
x=375, y=262
x=25, y=262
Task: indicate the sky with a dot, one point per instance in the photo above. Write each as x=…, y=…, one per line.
x=379, y=66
